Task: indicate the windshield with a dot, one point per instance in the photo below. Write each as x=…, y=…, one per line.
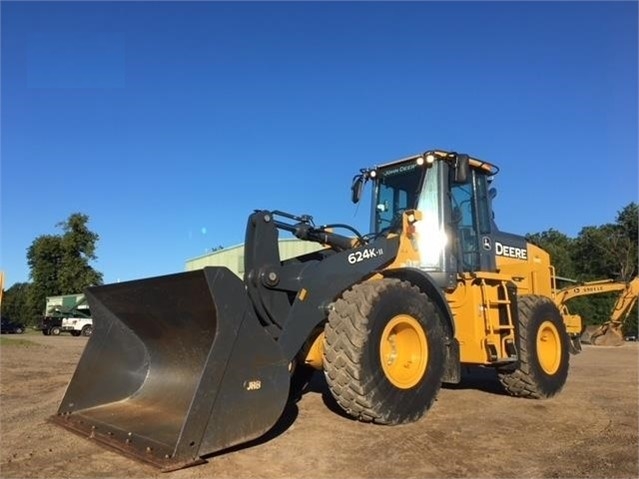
x=397, y=190
x=413, y=186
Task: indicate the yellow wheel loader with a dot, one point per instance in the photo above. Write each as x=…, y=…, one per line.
x=185, y=365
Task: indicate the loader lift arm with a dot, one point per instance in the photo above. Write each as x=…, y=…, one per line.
x=224, y=349
x=272, y=284
x=297, y=288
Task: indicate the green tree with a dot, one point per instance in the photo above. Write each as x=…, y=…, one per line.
x=628, y=223
x=59, y=264
x=15, y=304
x=559, y=247
x=44, y=257
x=628, y=233
x=598, y=252
x=78, y=245
x=607, y=251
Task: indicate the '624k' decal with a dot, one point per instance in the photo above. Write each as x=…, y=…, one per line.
x=357, y=256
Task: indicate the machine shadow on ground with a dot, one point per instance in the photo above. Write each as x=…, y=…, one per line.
x=318, y=385
x=479, y=379
x=475, y=378
x=286, y=420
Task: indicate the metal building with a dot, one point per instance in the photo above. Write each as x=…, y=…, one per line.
x=233, y=256
x=65, y=302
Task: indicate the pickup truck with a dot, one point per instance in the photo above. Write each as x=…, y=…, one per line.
x=77, y=322
x=77, y=326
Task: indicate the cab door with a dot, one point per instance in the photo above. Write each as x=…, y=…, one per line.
x=471, y=220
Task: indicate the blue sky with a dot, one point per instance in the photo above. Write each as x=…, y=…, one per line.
x=169, y=123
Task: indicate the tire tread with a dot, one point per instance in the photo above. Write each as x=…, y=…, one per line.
x=347, y=332
x=523, y=382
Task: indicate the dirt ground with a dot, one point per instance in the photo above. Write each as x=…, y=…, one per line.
x=473, y=430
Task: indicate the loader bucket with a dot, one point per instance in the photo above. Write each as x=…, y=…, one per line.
x=177, y=367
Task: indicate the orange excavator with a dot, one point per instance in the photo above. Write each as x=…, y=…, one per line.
x=609, y=333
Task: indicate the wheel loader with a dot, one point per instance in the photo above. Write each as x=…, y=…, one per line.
x=185, y=365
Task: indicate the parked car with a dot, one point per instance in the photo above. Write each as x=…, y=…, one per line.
x=11, y=327
x=51, y=325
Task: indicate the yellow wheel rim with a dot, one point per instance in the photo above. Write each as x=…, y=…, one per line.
x=403, y=351
x=549, y=347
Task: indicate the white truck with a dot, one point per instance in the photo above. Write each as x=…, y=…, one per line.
x=67, y=314
x=77, y=326
x=69, y=322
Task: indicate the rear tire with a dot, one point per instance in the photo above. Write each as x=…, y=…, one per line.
x=543, y=351
x=55, y=331
x=384, y=352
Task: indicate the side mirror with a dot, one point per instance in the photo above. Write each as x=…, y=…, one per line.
x=356, y=188
x=492, y=192
x=461, y=169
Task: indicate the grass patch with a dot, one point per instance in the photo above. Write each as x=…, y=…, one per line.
x=16, y=341
x=29, y=331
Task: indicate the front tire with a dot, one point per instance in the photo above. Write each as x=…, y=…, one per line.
x=87, y=330
x=543, y=351
x=384, y=352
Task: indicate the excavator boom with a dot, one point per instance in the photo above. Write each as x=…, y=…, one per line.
x=609, y=333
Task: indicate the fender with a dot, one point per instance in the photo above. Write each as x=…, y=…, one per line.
x=423, y=281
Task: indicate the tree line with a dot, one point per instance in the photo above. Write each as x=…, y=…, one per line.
x=598, y=252
x=60, y=264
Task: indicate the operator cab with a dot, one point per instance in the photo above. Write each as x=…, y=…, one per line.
x=456, y=231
